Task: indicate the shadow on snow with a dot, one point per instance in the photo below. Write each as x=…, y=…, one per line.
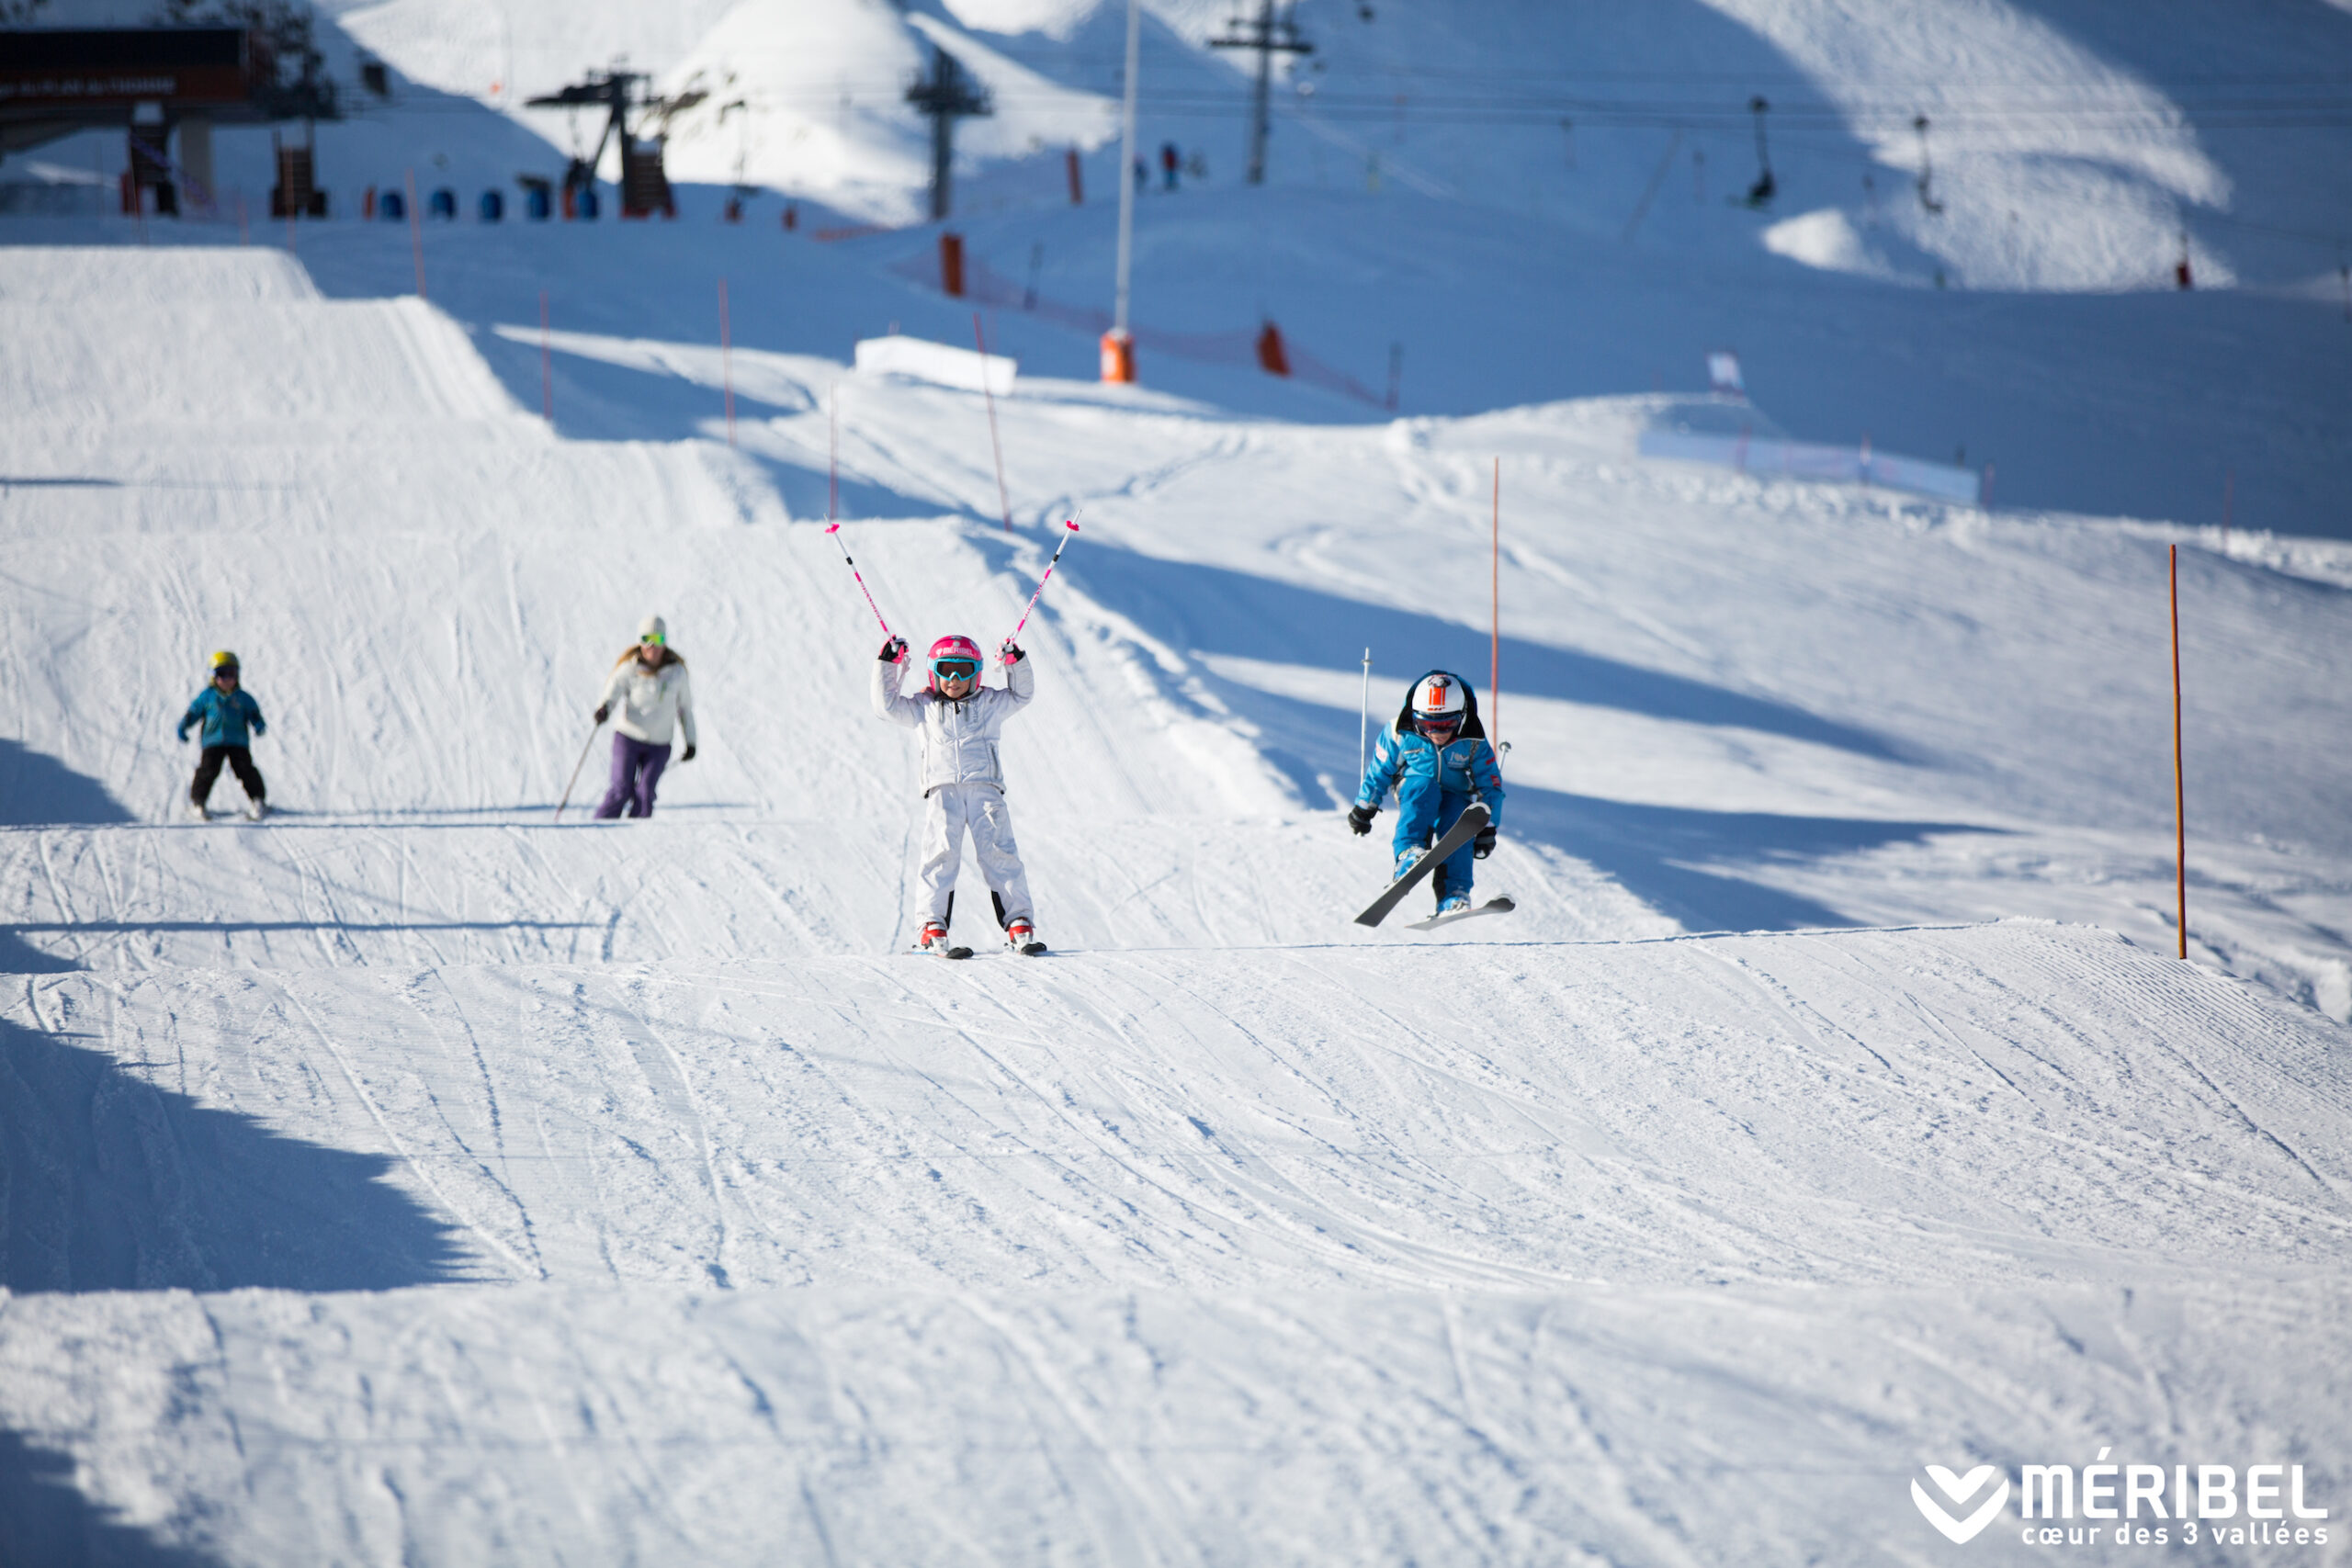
x=113, y=1183
x=43, y=1519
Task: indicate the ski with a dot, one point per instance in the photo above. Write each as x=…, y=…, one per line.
x=1028, y=949
x=1466, y=827
x=1491, y=906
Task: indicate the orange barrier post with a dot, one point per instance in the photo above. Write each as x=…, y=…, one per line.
x=1119, y=356
x=950, y=266
x=1270, y=357
x=1004, y=499
x=2180, y=796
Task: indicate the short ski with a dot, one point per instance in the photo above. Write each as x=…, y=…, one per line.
x=1491, y=906
x=1466, y=827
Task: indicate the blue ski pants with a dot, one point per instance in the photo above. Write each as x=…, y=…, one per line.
x=1424, y=811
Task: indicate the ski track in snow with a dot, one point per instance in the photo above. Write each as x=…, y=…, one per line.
x=414, y=1178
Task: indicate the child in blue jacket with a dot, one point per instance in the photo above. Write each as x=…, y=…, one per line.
x=1437, y=759
x=227, y=712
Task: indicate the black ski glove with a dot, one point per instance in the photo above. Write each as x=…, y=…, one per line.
x=1011, y=652
x=1484, y=844
x=688, y=754
x=603, y=712
x=1360, y=819
x=894, y=650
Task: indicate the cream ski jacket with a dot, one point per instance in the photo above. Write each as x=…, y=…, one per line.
x=959, y=740
x=651, y=706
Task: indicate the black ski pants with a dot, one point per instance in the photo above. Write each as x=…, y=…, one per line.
x=240, y=761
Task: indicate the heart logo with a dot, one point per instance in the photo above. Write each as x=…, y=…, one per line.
x=1960, y=1488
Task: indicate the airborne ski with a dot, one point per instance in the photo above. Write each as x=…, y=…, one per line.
x=1466, y=827
x=1491, y=906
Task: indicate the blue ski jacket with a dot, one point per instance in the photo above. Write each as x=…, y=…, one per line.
x=1467, y=765
x=224, y=716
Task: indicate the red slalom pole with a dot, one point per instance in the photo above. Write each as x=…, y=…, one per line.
x=835, y=530
x=1071, y=524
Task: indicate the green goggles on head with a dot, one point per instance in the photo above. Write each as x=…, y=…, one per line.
x=653, y=640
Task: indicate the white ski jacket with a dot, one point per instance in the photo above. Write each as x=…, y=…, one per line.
x=959, y=740
x=651, y=706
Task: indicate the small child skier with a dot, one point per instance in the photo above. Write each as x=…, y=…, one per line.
x=1437, y=757
x=227, y=712
x=963, y=783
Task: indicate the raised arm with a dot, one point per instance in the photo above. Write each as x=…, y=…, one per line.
x=888, y=701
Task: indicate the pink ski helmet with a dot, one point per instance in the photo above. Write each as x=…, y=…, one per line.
x=954, y=656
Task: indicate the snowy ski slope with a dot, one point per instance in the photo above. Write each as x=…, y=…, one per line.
x=414, y=1178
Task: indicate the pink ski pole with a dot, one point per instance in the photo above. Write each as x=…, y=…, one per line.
x=835, y=530
x=1071, y=526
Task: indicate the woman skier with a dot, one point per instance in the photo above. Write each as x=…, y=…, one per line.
x=1437, y=759
x=226, y=711
x=963, y=783
x=649, y=683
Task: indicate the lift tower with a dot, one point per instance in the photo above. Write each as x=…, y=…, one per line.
x=945, y=96
x=645, y=188
x=1269, y=38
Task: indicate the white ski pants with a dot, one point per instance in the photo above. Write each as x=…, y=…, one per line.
x=948, y=812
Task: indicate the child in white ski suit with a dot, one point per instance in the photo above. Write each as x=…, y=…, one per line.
x=963, y=780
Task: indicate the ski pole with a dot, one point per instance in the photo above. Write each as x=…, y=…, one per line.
x=593, y=733
x=835, y=530
x=1363, y=715
x=1071, y=524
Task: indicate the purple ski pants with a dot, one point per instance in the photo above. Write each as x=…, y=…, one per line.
x=637, y=768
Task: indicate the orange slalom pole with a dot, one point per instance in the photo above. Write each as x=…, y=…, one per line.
x=1495, y=651
x=726, y=362
x=2179, y=796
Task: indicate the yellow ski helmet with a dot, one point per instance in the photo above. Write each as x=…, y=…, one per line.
x=223, y=660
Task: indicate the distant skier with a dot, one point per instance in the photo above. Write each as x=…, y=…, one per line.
x=649, y=683
x=1171, y=160
x=963, y=783
x=228, y=714
x=1437, y=759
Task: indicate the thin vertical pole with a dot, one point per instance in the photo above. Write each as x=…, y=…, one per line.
x=2180, y=796
x=2229, y=494
x=547, y=364
x=1495, y=651
x=1363, y=717
x=1127, y=164
x=727, y=361
x=833, y=452
x=416, y=233
x=1004, y=499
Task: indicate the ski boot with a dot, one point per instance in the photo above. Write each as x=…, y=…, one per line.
x=199, y=811
x=256, y=809
x=1406, y=862
x=1023, y=937
x=1454, y=903
x=935, y=940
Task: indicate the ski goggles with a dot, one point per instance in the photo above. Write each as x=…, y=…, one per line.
x=955, y=669
x=654, y=639
x=1435, y=728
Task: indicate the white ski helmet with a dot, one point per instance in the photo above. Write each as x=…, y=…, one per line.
x=653, y=629
x=1439, y=702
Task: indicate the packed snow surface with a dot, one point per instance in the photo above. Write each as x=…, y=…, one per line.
x=416, y=1177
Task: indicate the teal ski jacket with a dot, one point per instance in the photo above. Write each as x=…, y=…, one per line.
x=224, y=716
